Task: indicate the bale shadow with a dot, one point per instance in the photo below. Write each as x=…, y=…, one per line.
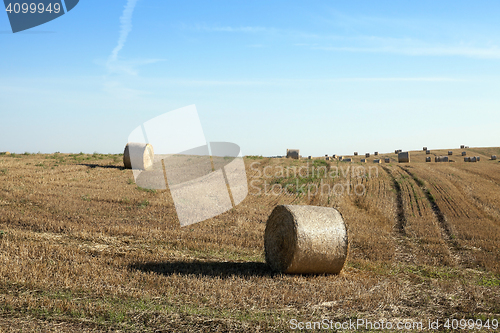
x=93, y=166
x=204, y=268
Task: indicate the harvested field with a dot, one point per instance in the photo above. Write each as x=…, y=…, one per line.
x=82, y=248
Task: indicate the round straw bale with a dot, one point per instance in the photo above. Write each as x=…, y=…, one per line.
x=293, y=153
x=306, y=239
x=378, y=161
x=309, y=157
x=367, y=155
x=424, y=149
x=376, y=153
x=493, y=157
x=428, y=159
x=387, y=160
x=363, y=160
x=355, y=153
x=428, y=152
x=450, y=152
x=404, y=157
x=347, y=160
x=464, y=153
x=138, y=156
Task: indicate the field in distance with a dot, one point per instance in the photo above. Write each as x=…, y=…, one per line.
x=82, y=248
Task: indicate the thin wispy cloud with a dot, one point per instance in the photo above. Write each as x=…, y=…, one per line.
x=125, y=29
x=464, y=51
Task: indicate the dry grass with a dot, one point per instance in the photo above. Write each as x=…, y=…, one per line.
x=83, y=249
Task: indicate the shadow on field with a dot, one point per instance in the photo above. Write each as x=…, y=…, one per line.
x=203, y=268
x=93, y=166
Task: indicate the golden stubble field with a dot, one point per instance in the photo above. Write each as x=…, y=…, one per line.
x=82, y=248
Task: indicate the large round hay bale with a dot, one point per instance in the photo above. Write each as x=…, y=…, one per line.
x=464, y=153
x=428, y=152
x=138, y=156
x=493, y=157
x=428, y=159
x=306, y=239
x=387, y=160
x=450, y=152
x=355, y=153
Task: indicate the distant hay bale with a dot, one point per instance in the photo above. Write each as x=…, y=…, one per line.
x=441, y=159
x=367, y=155
x=478, y=158
x=309, y=157
x=378, y=161
x=464, y=153
x=5, y=153
x=355, y=153
x=334, y=156
x=293, y=153
x=466, y=159
x=396, y=151
x=387, y=160
x=327, y=158
x=363, y=160
x=347, y=160
x=462, y=146
x=376, y=153
x=473, y=159
x=493, y=157
x=138, y=156
x=341, y=158
x=424, y=149
x=306, y=240
x=326, y=155
x=450, y=152
x=428, y=159
x=466, y=147
x=428, y=152
x=404, y=157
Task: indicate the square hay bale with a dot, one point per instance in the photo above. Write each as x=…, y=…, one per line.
x=464, y=153
x=404, y=157
x=363, y=160
x=309, y=157
x=367, y=155
x=377, y=161
x=293, y=153
x=376, y=153
x=428, y=152
x=466, y=159
x=428, y=159
x=462, y=146
x=473, y=159
x=450, y=153
x=387, y=160
x=347, y=160
x=341, y=158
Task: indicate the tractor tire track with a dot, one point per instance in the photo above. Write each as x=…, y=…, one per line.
x=403, y=251
x=444, y=225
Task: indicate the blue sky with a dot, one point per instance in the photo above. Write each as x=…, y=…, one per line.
x=322, y=76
